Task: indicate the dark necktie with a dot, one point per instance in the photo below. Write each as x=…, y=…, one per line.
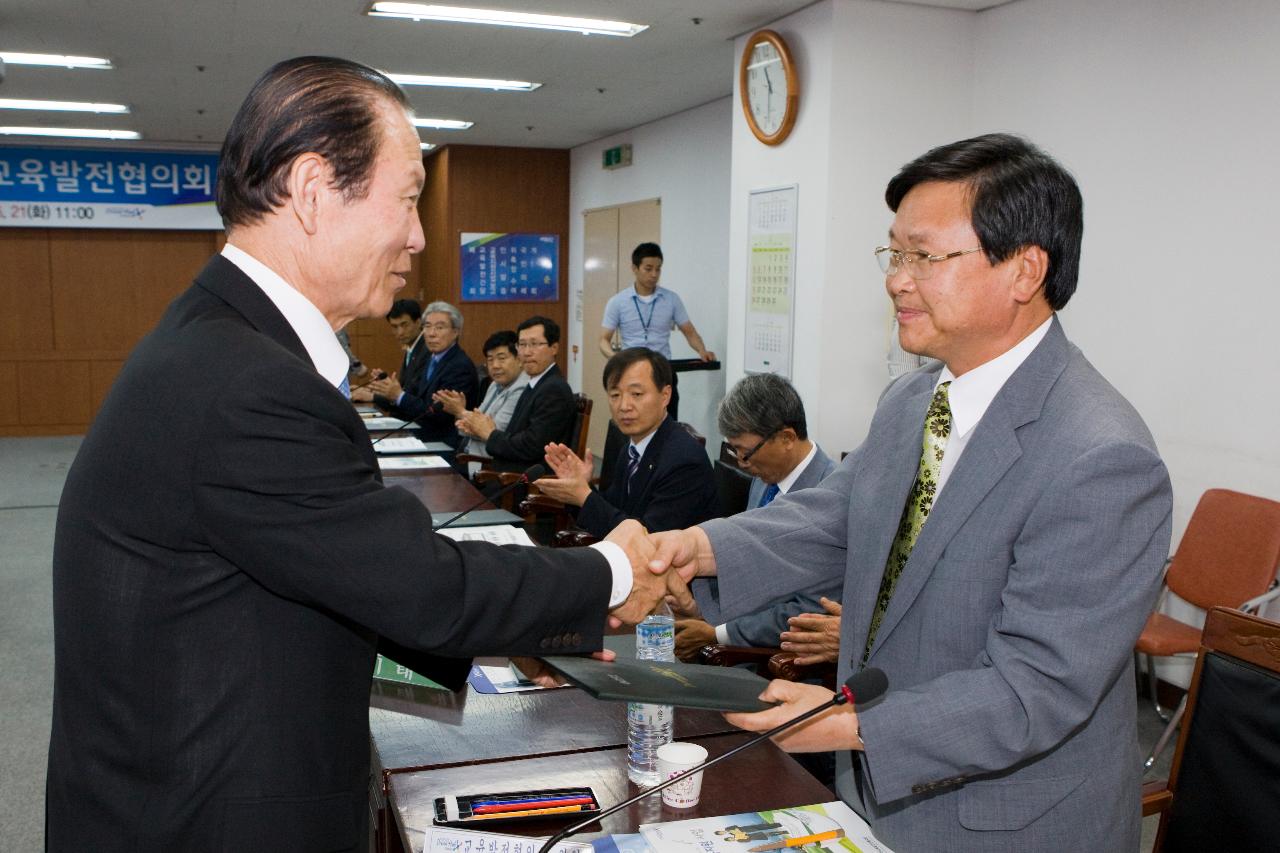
x=633, y=464
x=937, y=429
x=769, y=494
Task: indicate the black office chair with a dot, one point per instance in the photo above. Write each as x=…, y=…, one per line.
x=1224, y=785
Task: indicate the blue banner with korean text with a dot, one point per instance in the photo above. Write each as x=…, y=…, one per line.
x=92, y=188
x=510, y=267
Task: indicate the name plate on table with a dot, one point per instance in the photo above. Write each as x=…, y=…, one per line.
x=409, y=444
x=384, y=424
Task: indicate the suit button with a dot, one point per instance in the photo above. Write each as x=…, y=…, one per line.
x=544, y=643
x=577, y=639
x=555, y=642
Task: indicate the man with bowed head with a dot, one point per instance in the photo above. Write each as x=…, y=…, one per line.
x=220, y=593
x=1000, y=533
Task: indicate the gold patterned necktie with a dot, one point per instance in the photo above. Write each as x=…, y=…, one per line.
x=937, y=429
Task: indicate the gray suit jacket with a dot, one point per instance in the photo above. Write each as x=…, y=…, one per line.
x=1009, y=722
x=763, y=627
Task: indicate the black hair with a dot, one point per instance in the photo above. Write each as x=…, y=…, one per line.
x=549, y=327
x=405, y=308
x=645, y=250
x=505, y=338
x=620, y=361
x=314, y=104
x=1020, y=197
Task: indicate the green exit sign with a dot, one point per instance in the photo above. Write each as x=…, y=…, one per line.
x=617, y=157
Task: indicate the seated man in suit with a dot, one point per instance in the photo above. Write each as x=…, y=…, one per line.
x=405, y=319
x=545, y=412
x=763, y=421
x=509, y=382
x=662, y=477
x=444, y=367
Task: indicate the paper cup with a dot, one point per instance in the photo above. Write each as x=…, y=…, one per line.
x=674, y=758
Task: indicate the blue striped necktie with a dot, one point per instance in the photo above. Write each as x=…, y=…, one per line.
x=345, y=387
x=769, y=494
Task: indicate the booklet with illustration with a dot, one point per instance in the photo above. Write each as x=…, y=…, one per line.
x=822, y=828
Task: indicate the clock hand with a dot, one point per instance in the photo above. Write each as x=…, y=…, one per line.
x=767, y=81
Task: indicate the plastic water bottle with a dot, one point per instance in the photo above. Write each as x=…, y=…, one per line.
x=650, y=726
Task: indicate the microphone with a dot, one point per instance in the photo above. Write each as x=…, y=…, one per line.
x=861, y=687
x=395, y=431
x=531, y=473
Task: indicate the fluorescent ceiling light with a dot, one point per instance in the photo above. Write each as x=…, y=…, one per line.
x=61, y=106
x=87, y=133
x=55, y=60
x=426, y=146
x=506, y=18
x=442, y=123
x=464, y=82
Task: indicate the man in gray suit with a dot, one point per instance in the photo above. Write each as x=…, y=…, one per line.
x=763, y=421
x=1000, y=532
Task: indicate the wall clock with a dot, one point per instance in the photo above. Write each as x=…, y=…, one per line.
x=769, y=87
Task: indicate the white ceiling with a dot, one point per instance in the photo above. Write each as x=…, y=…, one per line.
x=183, y=66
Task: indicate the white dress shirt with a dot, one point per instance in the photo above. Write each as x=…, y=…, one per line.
x=971, y=394
x=303, y=317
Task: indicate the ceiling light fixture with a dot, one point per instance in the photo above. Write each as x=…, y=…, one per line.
x=463, y=82
x=86, y=133
x=55, y=60
x=61, y=106
x=506, y=18
x=442, y=123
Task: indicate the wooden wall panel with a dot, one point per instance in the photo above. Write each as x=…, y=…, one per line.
x=8, y=393
x=111, y=286
x=54, y=393
x=26, y=302
x=494, y=189
x=101, y=375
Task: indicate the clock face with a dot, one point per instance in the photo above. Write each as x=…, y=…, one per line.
x=766, y=87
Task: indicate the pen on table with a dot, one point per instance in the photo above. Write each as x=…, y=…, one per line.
x=518, y=805
x=798, y=842
x=525, y=813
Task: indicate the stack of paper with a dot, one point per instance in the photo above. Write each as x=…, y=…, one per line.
x=498, y=534
x=401, y=463
x=400, y=444
x=383, y=423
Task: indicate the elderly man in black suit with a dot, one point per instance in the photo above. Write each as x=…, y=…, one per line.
x=227, y=559
x=662, y=476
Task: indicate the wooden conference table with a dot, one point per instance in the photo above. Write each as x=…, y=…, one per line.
x=427, y=743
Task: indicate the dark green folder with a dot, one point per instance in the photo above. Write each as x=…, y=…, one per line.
x=685, y=685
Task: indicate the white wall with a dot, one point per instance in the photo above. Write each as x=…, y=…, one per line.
x=684, y=160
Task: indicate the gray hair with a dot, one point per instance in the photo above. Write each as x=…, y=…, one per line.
x=761, y=404
x=455, y=316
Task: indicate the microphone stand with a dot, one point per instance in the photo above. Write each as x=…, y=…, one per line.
x=532, y=473
x=844, y=695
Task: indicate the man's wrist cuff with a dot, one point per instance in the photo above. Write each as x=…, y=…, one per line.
x=620, y=567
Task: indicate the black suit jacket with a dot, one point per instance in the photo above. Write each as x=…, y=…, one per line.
x=673, y=488
x=225, y=562
x=544, y=414
x=455, y=372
